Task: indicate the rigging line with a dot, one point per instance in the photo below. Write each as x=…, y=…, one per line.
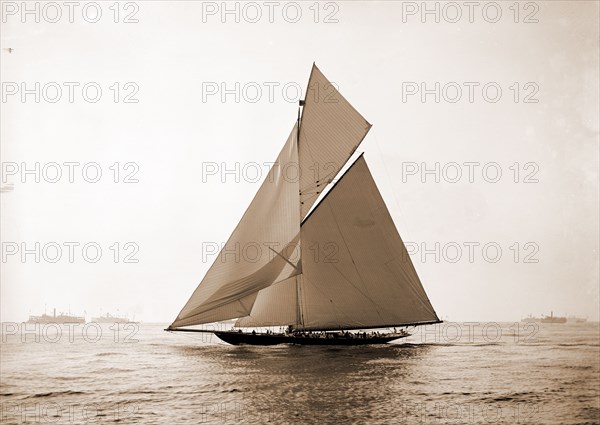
x=285, y=259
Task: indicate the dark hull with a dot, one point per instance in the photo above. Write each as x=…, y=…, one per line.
x=237, y=338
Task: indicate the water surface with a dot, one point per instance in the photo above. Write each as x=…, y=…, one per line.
x=444, y=374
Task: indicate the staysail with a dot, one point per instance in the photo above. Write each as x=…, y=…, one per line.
x=342, y=265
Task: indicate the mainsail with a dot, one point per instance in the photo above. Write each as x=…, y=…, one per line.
x=341, y=266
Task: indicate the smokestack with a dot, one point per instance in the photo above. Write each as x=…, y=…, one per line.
x=54, y=311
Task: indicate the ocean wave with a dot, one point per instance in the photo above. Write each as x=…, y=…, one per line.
x=56, y=394
x=518, y=397
x=108, y=354
x=582, y=344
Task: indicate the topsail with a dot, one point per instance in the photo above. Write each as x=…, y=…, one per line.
x=341, y=265
x=330, y=131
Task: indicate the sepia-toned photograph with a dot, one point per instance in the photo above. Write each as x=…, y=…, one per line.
x=300, y=212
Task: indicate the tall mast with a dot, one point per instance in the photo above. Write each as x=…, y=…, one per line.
x=263, y=291
x=299, y=316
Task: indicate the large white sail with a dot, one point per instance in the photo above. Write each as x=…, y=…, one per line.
x=352, y=270
x=368, y=280
x=259, y=252
x=330, y=131
x=356, y=271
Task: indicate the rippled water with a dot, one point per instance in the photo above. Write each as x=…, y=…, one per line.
x=449, y=373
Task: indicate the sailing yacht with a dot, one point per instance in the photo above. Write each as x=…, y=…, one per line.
x=321, y=270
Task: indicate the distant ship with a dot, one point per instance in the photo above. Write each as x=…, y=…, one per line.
x=574, y=319
x=531, y=319
x=363, y=278
x=108, y=318
x=61, y=319
x=554, y=319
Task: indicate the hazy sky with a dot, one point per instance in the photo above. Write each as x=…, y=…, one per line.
x=541, y=132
